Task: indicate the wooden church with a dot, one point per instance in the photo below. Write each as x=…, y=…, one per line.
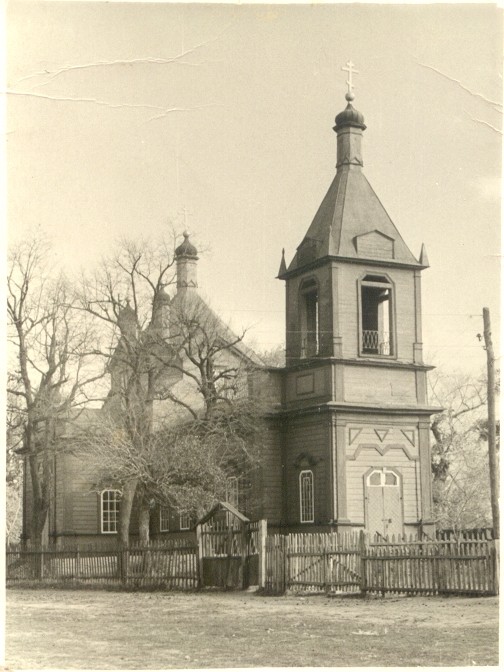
x=347, y=446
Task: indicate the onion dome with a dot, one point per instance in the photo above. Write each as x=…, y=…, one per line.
x=162, y=297
x=350, y=116
x=186, y=249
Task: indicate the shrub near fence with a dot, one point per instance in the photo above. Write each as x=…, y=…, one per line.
x=351, y=563
x=172, y=565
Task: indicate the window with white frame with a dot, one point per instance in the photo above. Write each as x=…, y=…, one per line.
x=306, y=498
x=185, y=521
x=110, y=501
x=164, y=519
x=380, y=478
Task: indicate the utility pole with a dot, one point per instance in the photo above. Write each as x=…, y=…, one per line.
x=492, y=454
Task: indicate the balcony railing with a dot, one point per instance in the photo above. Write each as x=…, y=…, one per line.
x=375, y=342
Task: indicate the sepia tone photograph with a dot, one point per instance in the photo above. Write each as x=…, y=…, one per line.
x=253, y=317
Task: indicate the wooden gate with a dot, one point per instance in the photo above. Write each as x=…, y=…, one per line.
x=231, y=548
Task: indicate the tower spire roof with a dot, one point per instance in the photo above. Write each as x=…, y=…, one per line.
x=351, y=222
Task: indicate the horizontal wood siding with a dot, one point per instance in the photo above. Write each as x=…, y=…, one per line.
x=369, y=384
x=382, y=444
x=308, y=439
x=313, y=383
x=270, y=479
x=85, y=501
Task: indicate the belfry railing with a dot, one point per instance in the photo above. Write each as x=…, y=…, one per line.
x=375, y=342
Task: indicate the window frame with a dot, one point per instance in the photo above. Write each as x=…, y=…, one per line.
x=117, y=502
x=184, y=522
x=302, y=495
x=387, y=283
x=383, y=471
x=164, y=518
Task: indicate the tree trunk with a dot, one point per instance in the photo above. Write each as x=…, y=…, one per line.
x=128, y=494
x=143, y=522
x=143, y=529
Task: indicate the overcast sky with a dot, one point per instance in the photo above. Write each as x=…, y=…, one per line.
x=120, y=116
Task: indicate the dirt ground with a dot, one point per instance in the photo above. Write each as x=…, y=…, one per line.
x=76, y=629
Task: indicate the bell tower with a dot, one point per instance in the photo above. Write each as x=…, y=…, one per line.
x=355, y=393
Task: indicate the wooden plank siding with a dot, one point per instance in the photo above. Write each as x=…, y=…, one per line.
x=369, y=384
x=395, y=451
x=269, y=481
x=308, y=440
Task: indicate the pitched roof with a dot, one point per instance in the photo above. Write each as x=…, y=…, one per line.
x=352, y=223
x=199, y=307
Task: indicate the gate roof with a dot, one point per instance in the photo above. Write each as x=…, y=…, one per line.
x=223, y=506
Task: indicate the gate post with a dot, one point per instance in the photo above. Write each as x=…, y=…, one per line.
x=263, y=533
x=363, y=568
x=199, y=542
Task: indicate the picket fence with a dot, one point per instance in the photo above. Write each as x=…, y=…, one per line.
x=333, y=563
x=308, y=562
x=173, y=564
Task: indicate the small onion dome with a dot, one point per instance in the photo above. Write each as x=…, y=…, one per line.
x=350, y=116
x=186, y=249
x=162, y=297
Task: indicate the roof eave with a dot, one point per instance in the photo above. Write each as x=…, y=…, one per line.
x=390, y=263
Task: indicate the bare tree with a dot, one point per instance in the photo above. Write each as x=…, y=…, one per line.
x=49, y=372
x=459, y=456
x=170, y=360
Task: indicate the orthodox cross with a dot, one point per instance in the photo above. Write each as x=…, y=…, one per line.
x=185, y=214
x=350, y=69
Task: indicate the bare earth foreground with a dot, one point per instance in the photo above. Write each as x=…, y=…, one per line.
x=116, y=630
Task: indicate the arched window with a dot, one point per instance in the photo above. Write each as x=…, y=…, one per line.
x=309, y=315
x=306, y=496
x=376, y=316
x=110, y=501
x=382, y=478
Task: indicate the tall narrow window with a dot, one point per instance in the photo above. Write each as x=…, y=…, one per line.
x=110, y=501
x=309, y=314
x=306, y=499
x=164, y=519
x=376, y=316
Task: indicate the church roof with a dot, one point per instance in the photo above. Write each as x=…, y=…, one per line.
x=352, y=223
x=197, y=306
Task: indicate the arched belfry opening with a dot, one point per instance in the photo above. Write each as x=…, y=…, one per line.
x=376, y=315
